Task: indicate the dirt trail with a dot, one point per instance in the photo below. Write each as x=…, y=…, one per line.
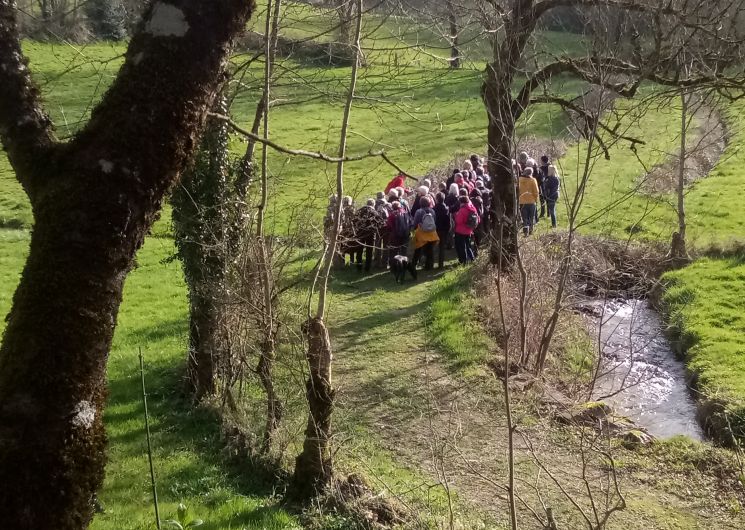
x=452, y=428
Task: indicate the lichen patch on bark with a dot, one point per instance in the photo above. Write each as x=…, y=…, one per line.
x=167, y=21
x=84, y=415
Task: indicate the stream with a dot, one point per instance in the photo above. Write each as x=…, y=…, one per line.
x=640, y=377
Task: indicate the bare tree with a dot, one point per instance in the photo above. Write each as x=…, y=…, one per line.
x=652, y=58
x=314, y=467
x=94, y=199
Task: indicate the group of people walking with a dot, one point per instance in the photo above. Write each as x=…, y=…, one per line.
x=455, y=214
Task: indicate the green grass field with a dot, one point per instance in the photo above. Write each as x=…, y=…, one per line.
x=422, y=113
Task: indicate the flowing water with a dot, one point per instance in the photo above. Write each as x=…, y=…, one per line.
x=640, y=376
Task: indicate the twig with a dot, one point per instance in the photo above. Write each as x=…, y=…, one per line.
x=149, y=448
x=308, y=154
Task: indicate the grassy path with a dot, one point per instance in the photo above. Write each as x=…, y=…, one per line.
x=436, y=414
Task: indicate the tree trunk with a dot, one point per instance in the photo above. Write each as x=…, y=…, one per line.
x=347, y=15
x=313, y=467
x=678, y=250
x=500, y=136
x=453, y=23
x=497, y=95
x=93, y=199
x=200, y=219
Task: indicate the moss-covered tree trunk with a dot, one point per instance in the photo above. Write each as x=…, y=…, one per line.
x=94, y=199
x=200, y=226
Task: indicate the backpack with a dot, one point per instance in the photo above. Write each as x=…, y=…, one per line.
x=473, y=220
x=428, y=222
x=401, y=229
x=383, y=212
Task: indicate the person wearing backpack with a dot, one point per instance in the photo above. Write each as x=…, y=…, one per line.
x=551, y=185
x=466, y=221
x=399, y=231
x=425, y=236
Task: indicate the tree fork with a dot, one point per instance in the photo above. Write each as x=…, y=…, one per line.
x=94, y=199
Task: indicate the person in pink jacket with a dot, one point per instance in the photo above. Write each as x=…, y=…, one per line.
x=466, y=221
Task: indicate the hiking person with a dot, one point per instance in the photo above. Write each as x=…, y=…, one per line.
x=347, y=235
x=476, y=162
x=552, y=184
x=542, y=174
x=444, y=224
x=399, y=181
x=451, y=199
x=421, y=192
x=466, y=221
x=478, y=232
x=425, y=236
x=383, y=209
x=399, y=231
x=367, y=226
x=486, y=198
x=528, y=197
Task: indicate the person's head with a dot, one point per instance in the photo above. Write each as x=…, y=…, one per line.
x=475, y=160
x=464, y=199
x=393, y=196
x=347, y=201
x=479, y=171
x=528, y=172
x=427, y=183
x=440, y=198
x=425, y=202
x=544, y=159
x=423, y=191
x=467, y=165
x=475, y=193
x=442, y=186
x=459, y=178
x=480, y=184
x=523, y=158
x=380, y=195
x=453, y=189
x=552, y=171
x=401, y=191
x=332, y=199
x=395, y=205
x=371, y=202
x=462, y=192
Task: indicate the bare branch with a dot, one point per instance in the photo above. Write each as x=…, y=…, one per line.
x=309, y=154
x=25, y=129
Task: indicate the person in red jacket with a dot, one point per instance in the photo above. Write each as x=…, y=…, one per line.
x=399, y=181
x=466, y=221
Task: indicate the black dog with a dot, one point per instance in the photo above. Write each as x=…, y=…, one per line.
x=399, y=266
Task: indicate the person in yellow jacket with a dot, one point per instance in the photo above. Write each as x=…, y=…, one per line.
x=528, y=197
